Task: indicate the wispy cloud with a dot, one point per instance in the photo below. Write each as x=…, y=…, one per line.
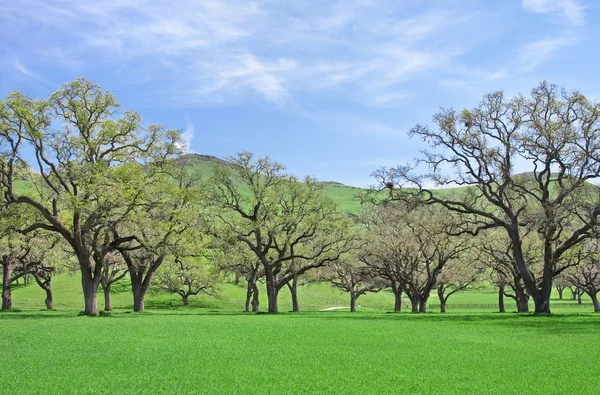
x=534, y=54
x=215, y=52
x=572, y=10
x=21, y=68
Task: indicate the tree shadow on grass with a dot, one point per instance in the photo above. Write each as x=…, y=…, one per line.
x=556, y=323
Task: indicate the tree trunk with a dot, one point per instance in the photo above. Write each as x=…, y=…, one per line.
x=560, y=292
x=440, y=292
x=442, y=307
x=139, y=290
x=138, y=300
x=107, y=298
x=272, y=295
x=6, y=284
x=594, y=297
x=397, y=289
x=414, y=304
x=522, y=304
x=249, y=292
x=294, y=292
x=501, y=308
x=423, y=306
x=90, y=282
x=397, y=302
x=185, y=300
x=353, y=302
x=579, y=293
x=49, y=298
x=255, y=301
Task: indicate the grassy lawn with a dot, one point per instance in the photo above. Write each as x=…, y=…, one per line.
x=318, y=352
x=214, y=348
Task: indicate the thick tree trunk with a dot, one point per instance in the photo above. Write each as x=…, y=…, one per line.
x=594, y=297
x=107, y=298
x=501, y=308
x=294, y=292
x=353, y=302
x=579, y=294
x=414, y=304
x=6, y=285
x=139, y=288
x=423, y=306
x=522, y=305
x=542, y=299
x=442, y=307
x=90, y=290
x=397, y=302
x=138, y=300
x=272, y=296
x=185, y=300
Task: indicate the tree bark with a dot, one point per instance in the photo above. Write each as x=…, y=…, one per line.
x=423, y=306
x=501, y=308
x=560, y=292
x=522, y=304
x=90, y=281
x=594, y=297
x=397, y=302
x=107, y=298
x=397, y=289
x=6, y=284
x=49, y=299
x=294, y=292
x=353, y=302
x=440, y=292
x=414, y=304
x=249, y=292
x=255, y=301
x=185, y=300
x=272, y=295
x=579, y=293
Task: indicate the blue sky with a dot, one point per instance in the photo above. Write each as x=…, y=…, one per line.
x=329, y=88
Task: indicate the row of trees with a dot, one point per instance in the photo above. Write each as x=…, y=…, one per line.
x=86, y=185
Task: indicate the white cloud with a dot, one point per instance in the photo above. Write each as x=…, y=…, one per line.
x=214, y=52
x=569, y=9
x=187, y=136
x=532, y=55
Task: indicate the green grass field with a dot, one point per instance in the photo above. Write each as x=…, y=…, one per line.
x=318, y=352
x=212, y=347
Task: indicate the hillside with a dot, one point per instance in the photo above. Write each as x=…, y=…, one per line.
x=346, y=196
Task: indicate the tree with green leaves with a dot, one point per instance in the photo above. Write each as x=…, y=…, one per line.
x=91, y=163
x=169, y=223
x=288, y=224
x=552, y=130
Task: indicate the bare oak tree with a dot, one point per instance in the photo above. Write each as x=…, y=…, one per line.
x=552, y=130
